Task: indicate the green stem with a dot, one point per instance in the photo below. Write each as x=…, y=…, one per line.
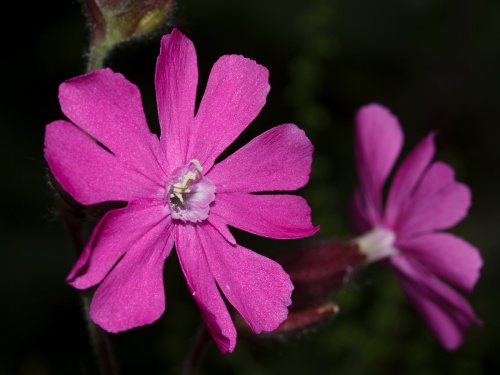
x=98, y=52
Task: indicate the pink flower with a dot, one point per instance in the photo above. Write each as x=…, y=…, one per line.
x=177, y=195
x=422, y=200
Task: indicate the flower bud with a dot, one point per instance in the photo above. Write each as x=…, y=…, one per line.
x=298, y=323
x=115, y=21
x=302, y=320
x=320, y=268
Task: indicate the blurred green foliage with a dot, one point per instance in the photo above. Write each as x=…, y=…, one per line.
x=434, y=63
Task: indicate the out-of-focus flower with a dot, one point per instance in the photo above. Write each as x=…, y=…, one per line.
x=423, y=199
x=175, y=193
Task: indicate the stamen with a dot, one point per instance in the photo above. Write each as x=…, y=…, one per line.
x=190, y=193
x=377, y=244
x=197, y=164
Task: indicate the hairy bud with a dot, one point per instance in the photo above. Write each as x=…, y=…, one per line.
x=115, y=21
x=320, y=268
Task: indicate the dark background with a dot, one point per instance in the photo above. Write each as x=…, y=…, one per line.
x=433, y=62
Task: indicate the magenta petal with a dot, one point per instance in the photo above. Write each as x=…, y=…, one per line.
x=117, y=232
x=358, y=213
x=202, y=286
x=447, y=313
x=407, y=177
x=176, y=81
x=447, y=256
x=256, y=286
x=132, y=294
x=378, y=142
x=109, y=108
x=220, y=224
x=279, y=159
x=275, y=216
x=236, y=92
x=439, y=202
x=88, y=172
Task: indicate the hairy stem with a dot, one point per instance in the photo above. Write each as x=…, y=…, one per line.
x=98, y=53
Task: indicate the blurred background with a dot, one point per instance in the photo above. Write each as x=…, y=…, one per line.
x=434, y=63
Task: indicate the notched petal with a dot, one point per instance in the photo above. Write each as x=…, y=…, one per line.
x=274, y=216
x=87, y=171
x=378, y=142
x=256, y=286
x=202, y=286
x=132, y=294
x=279, y=159
x=236, y=92
x=439, y=202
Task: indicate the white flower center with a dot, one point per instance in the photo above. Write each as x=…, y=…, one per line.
x=189, y=193
x=377, y=244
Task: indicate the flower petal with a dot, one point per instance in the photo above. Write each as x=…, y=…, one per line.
x=220, y=224
x=358, y=213
x=275, y=216
x=439, y=202
x=236, y=92
x=202, y=286
x=279, y=159
x=446, y=256
x=407, y=177
x=132, y=294
x=176, y=80
x=378, y=143
x=447, y=313
x=117, y=232
x=256, y=286
x=88, y=172
x=109, y=108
